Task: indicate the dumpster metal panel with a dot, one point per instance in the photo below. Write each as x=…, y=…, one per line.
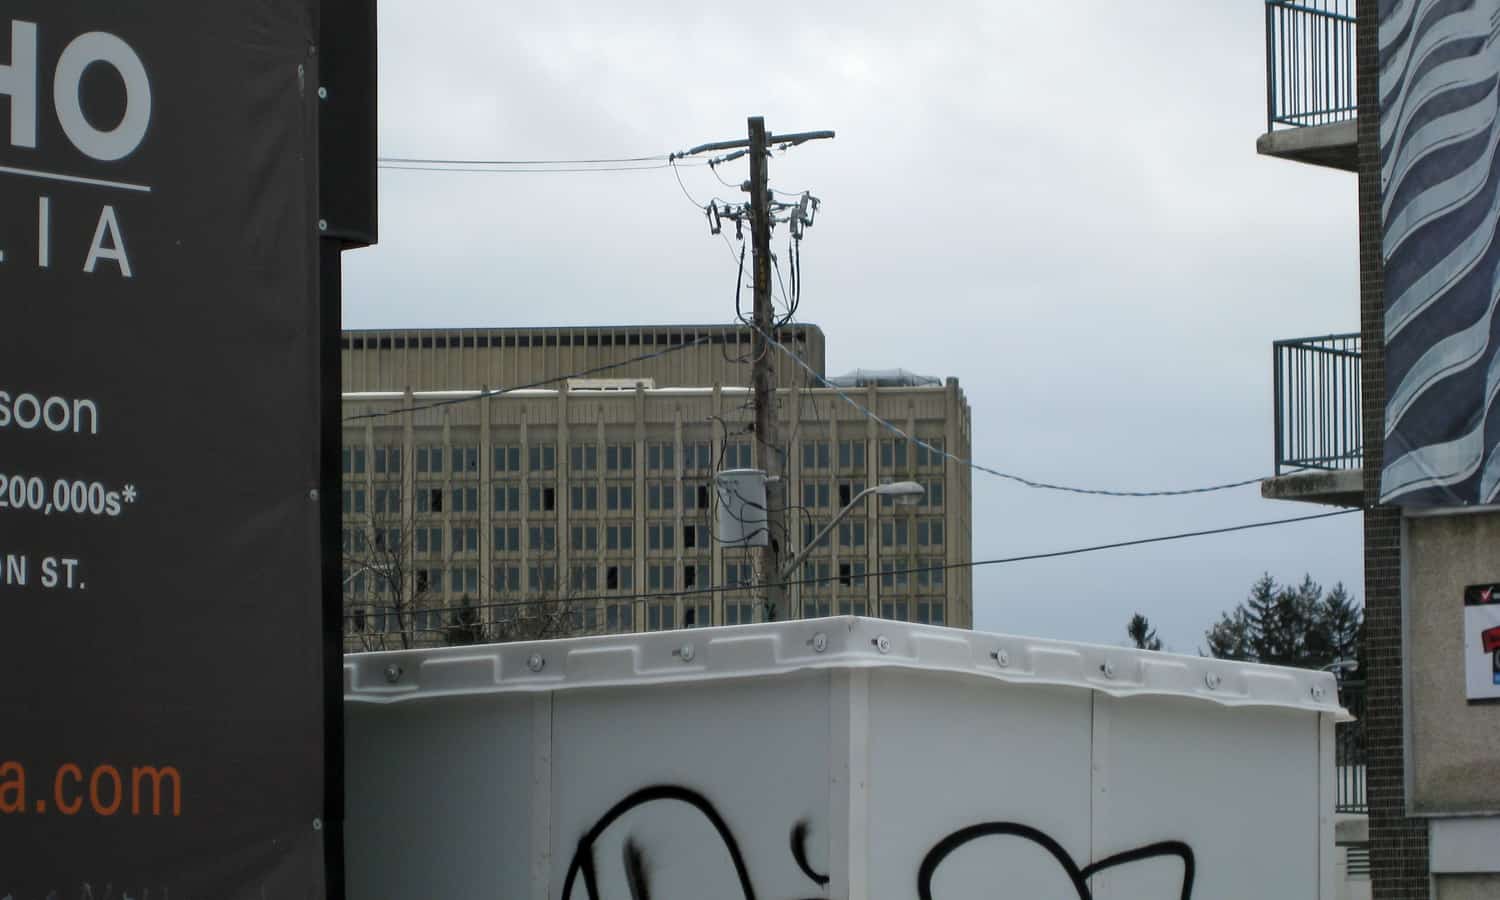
x=441, y=792
x=950, y=754
x=752, y=753
x=1239, y=787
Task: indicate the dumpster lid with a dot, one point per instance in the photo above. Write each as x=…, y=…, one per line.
x=844, y=642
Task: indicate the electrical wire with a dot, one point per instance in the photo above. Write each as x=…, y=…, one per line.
x=483, y=395
x=701, y=207
x=713, y=167
x=973, y=564
x=1028, y=482
x=789, y=299
x=522, y=170
x=521, y=162
x=696, y=204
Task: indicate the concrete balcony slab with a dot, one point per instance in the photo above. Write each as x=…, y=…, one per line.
x=1334, y=146
x=1340, y=487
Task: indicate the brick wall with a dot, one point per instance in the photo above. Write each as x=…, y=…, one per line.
x=1398, y=845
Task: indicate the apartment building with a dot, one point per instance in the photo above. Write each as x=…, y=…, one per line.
x=1391, y=418
x=531, y=482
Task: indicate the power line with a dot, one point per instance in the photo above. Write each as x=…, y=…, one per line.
x=704, y=208
x=696, y=204
x=529, y=166
x=713, y=167
x=1028, y=482
x=482, y=395
x=1136, y=542
x=520, y=162
x=701, y=207
x=522, y=170
x=974, y=564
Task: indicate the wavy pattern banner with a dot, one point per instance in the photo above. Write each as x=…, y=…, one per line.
x=1440, y=196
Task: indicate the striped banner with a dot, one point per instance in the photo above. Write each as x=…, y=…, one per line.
x=1440, y=198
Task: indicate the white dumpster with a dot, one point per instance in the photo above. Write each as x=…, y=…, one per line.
x=835, y=758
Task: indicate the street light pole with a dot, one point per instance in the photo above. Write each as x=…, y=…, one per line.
x=1340, y=668
x=895, y=489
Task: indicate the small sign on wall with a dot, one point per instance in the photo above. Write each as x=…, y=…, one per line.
x=1482, y=641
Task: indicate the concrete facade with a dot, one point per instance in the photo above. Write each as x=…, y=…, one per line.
x=1341, y=487
x=1466, y=887
x=1331, y=145
x=1455, y=745
x=595, y=493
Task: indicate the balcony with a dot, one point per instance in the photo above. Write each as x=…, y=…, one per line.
x=1319, y=429
x=1349, y=752
x=1350, y=807
x=1310, y=86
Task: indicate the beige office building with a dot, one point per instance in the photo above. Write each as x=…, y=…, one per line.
x=591, y=495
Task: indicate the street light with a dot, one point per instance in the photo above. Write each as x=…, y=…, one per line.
x=1341, y=667
x=904, y=492
x=362, y=568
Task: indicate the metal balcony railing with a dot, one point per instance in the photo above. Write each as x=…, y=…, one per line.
x=1318, y=422
x=1349, y=751
x=1309, y=62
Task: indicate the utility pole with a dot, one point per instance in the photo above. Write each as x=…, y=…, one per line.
x=773, y=456
x=761, y=212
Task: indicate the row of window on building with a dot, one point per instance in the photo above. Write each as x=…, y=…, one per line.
x=620, y=616
x=660, y=496
x=818, y=576
x=617, y=458
x=922, y=532
x=697, y=456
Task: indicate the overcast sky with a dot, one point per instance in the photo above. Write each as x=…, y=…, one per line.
x=1059, y=204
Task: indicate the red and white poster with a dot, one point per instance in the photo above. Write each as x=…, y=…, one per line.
x=1482, y=642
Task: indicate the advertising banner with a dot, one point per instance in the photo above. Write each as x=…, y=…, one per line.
x=161, y=660
x=1439, y=129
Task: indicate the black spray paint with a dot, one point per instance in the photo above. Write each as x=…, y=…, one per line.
x=1079, y=876
x=637, y=868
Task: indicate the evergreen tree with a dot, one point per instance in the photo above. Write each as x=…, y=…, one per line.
x=1230, y=637
x=1290, y=625
x=1142, y=633
x=466, y=626
x=1343, y=624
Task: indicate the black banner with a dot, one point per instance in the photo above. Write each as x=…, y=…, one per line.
x=162, y=705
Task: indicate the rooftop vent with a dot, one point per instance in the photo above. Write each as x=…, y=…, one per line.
x=884, y=378
x=610, y=384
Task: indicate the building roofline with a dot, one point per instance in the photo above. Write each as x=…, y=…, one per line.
x=669, y=391
x=533, y=329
